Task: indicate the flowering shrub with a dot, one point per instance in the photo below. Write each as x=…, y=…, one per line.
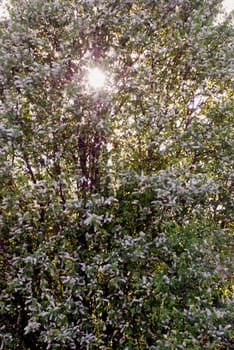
x=116, y=207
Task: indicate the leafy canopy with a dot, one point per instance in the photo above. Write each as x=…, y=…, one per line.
x=116, y=207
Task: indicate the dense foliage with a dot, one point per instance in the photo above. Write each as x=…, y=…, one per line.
x=116, y=206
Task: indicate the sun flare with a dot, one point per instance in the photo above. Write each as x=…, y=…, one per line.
x=96, y=78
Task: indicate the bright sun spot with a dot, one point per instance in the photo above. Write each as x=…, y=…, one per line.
x=96, y=78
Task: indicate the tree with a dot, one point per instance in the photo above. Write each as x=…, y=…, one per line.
x=116, y=207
